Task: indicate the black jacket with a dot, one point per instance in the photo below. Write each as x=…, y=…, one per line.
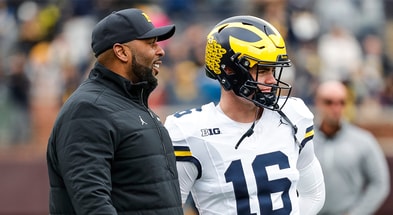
x=108, y=152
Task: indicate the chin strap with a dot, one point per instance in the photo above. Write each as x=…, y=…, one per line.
x=248, y=133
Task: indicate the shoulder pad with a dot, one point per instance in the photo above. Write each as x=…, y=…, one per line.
x=296, y=109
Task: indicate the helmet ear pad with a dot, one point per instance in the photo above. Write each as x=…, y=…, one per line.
x=242, y=76
x=223, y=78
x=234, y=74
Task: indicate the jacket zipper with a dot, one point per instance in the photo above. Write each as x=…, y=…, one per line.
x=158, y=129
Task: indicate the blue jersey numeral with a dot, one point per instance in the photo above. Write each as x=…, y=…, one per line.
x=185, y=112
x=266, y=187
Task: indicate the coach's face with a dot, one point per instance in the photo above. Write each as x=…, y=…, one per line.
x=145, y=60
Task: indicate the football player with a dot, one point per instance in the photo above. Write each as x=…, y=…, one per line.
x=252, y=153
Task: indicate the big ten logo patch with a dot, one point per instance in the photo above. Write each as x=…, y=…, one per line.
x=210, y=131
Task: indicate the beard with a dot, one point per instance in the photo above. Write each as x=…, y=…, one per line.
x=144, y=74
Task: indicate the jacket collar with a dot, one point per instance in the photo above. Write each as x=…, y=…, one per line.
x=120, y=84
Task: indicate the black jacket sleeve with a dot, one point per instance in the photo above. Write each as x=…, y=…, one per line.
x=85, y=152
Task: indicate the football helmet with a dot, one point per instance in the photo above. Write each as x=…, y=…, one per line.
x=240, y=43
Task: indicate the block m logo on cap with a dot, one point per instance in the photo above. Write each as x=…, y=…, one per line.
x=147, y=17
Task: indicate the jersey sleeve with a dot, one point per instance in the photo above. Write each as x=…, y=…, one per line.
x=188, y=167
x=181, y=142
x=311, y=188
x=189, y=174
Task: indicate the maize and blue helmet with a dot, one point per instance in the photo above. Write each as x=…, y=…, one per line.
x=240, y=43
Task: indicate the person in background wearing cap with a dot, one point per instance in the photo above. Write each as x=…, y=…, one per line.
x=355, y=168
x=108, y=153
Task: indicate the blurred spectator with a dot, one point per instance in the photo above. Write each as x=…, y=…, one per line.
x=189, y=87
x=304, y=26
x=307, y=62
x=355, y=168
x=387, y=94
x=373, y=66
x=82, y=7
x=37, y=23
x=183, y=87
x=357, y=16
x=368, y=82
x=184, y=11
x=209, y=89
x=340, y=54
x=19, y=96
x=74, y=32
x=8, y=33
x=275, y=11
x=220, y=9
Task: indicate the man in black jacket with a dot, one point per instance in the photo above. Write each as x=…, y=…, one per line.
x=108, y=152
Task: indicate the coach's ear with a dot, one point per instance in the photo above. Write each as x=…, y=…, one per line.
x=122, y=52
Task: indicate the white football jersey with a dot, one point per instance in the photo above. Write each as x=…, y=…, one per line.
x=260, y=176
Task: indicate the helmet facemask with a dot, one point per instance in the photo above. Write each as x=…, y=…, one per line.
x=250, y=88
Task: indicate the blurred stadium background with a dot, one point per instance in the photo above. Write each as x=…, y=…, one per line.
x=45, y=53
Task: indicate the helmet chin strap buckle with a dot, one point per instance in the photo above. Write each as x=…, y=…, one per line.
x=264, y=99
x=267, y=99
